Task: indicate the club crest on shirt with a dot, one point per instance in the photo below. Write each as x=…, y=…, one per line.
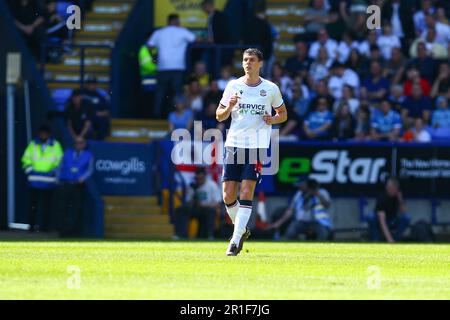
x=263, y=93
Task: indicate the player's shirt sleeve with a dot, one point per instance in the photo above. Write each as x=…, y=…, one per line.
x=277, y=100
x=227, y=94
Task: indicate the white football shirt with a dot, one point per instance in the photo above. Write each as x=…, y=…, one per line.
x=248, y=129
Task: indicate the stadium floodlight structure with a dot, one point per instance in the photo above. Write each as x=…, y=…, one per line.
x=13, y=72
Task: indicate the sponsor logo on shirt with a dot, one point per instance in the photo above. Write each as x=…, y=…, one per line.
x=263, y=93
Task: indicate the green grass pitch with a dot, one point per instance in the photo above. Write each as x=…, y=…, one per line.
x=200, y=270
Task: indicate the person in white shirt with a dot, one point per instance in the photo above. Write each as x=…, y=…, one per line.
x=202, y=202
x=387, y=41
x=171, y=43
x=420, y=133
x=442, y=30
x=341, y=77
x=324, y=40
x=249, y=101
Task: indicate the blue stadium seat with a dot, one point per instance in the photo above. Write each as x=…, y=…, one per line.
x=60, y=97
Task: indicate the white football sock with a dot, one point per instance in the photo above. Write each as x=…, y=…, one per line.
x=232, y=210
x=242, y=217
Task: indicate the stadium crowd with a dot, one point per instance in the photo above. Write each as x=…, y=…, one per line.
x=346, y=82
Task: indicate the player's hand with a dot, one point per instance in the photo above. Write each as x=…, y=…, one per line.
x=234, y=99
x=267, y=119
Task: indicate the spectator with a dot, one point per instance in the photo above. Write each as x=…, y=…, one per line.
x=420, y=133
x=40, y=162
x=395, y=66
x=202, y=201
x=417, y=106
x=217, y=23
x=299, y=100
x=318, y=123
x=387, y=41
x=171, y=43
x=208, y=118
x=385, y=123
x=362, y=126
x=341, y=77
x=375, y=87
x=442, y=30
x=291, y=129
x=355, y=19
x=400, y=16
x=343, y=126
x=320, y=90
x=413, y=77
x=194, y=96
x=323, y=40
x=225, y=77
x=441, y=86
x=364, y=44
x=434, y=49
x=200, y=73
x=182, y=117
x=358, y=62
x=344, y=48
x=316, y=17
x=259, y=33
x=214, y=94
x=309, y=207
x=319, y=68
x=419, y=17
x=425, y=64
x=76, y=167
x=100, y=105
x=441, y=116
x=79, y=116
x=348, y=98
x=280, y=78
x=300, y=62
x=389, y=219
x=396, y=98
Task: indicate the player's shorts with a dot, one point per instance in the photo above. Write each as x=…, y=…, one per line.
x=242, y=164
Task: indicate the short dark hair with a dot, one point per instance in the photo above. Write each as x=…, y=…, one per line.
x=200, y=170
x=45, y=128
x=394, y=181
x=172, y=17
x=255, y=52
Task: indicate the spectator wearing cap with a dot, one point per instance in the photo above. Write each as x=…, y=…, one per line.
x=385, y=123
x=77, y=167
x=182, y=117
x=40, y=163
x=171, y=43
x=310, y=210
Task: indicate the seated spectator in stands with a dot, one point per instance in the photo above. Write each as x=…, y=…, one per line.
x=417, y=133
x=29, y=17
x=343, y=126
x=279, y=77
x=348, y=98
x=319, y=69
x=424, y=63
x=208, y=117
x=358, y=62
x=441, y=15
x=200, y=73
x=344, y=48
x=320, y=89
x=394, y=68
x=385, y=123
x=442, y=30
x=194, y=96
x=299, y=103
x=79, y=115
x=413, y=77
x=323, y=40
x=308, y=213
x=355, y=17
x=182, y=117
x=300, y=62
x=291, y=129
x=341, y=77
x=225, y=77
x=417, y=106
x=389, y=220
x=376, y=55
x=202, y=201
x=318, y=123
x=426, y=7
x=100, y=104
x=214, y=93
x=364, y=44
x=434, y=49
x=362, y=125
x=375, y=87
x=298, y=82
x=77, y=166
x=387, y=41
x=396, y=98
x=441, y=116
x=441, y=86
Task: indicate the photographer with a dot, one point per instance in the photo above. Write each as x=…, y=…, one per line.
x=308, y=212
x=202, y=200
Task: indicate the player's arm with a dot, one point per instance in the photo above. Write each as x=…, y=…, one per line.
x=279, y=117
x=384, y=228
x=223, y=112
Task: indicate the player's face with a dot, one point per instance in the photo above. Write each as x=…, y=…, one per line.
x=251, y=64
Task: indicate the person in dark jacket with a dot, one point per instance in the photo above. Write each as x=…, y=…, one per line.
x=76, y=167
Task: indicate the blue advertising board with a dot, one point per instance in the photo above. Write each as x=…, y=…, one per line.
x=123, y=169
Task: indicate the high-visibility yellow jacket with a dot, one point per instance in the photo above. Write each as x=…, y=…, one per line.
x=40, y=162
